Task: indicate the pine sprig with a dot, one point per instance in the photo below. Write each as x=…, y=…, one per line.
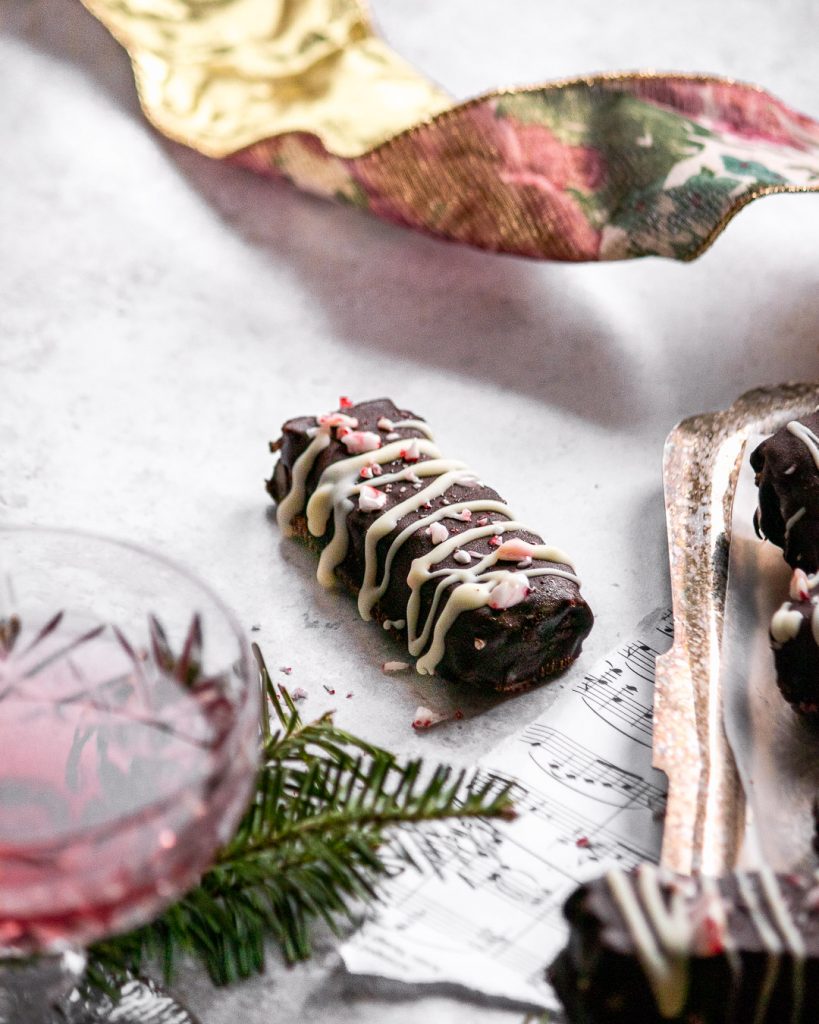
x=323, y=831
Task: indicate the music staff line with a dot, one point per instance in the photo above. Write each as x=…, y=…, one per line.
x=666, y=624
x=446, y=929
x=581, y=770
x=616, y=700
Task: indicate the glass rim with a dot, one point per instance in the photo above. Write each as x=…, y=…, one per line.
x=226, y=768
x=176, y=566
x=139, y=549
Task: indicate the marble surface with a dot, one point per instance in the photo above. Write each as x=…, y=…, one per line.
x=160, y=315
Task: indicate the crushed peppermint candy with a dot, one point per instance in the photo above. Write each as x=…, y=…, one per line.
x=385, y=424
x=349, y=694
x=359, y=441
x=299, y=694
x=462, y=557
x=417, y=487
x=583, y=842
x=800, y=587
x=524, y=563
x=464, y=516
x=366, y=472
x=710, y=925
x=285, y=669
x=479, y=644
x=392, y=436
x=344, y=402
x=482, y=521
x=395, y=666
x=437, y=533
x=370, y=499
x=509, y=591
x=329, y=689
x=514, y=550
x=337, y=419
x=425, y=718
x=412, y=452
x=495, y=541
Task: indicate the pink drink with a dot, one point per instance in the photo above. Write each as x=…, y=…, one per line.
x=119, y=777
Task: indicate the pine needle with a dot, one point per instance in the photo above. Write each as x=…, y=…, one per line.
x=323, y=830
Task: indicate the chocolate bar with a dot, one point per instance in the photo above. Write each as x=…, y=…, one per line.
x=653, y=947
x=433, y=554
x=787, y=474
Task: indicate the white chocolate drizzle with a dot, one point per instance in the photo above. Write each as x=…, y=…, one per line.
x=467, y=587
x=807, y=437
x=293, y=502
x=794, y=519
x=802, y=589
x=785, y=623
x=419, y=425
x=664, y=930
x=794, y=943
x=769, y=939
x=664, y=958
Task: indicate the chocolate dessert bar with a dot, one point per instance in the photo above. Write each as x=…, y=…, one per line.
x=651, y=947
x=794, y=634
x=787, y=474
x=433, y=554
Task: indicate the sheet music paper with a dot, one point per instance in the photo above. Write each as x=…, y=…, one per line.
x=491, y=918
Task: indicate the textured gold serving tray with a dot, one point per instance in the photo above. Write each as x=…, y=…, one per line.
x=706, y=804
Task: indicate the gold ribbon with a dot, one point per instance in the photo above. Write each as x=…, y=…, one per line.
x=603, y=167
x=219, y=75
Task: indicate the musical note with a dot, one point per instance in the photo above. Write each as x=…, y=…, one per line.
x=666, y=624
x=579, y=769
x=641, y=658
x=623, y=714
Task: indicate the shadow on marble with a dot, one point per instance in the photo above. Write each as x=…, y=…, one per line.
x=501, y=321
x=578, y=341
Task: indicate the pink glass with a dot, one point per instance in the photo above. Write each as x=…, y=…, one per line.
x=128, y=739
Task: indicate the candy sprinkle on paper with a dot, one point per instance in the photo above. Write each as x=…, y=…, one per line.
x=425, y=718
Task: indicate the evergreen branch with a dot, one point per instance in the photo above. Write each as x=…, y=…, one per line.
x=321, y=834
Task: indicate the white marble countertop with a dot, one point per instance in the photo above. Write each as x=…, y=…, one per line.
x=161, y=314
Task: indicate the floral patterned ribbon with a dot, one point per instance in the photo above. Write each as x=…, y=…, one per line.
x=598, y=168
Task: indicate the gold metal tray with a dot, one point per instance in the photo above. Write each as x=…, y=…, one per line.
x=706, y=804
